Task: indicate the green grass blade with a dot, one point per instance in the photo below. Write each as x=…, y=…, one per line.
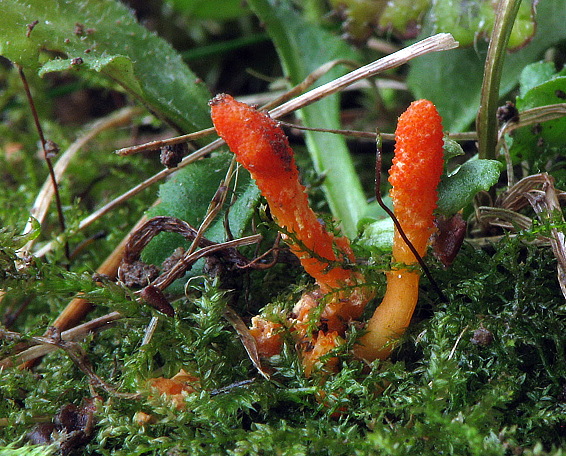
x=302, y=48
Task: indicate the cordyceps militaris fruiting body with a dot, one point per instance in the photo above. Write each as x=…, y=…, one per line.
x=414, y=176
x=261, y=147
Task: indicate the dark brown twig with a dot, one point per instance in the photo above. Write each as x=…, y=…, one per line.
x=46, y=155
x=390, y=213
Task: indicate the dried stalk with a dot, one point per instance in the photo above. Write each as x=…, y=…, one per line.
x=73, y=334
x=45, y=145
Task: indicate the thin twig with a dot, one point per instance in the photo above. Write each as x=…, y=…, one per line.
x=393, y=217
x=87, y=221
x=42, y=349
x=458, y=339
x=182, y=265
x=43, y=199
x=46, y=155
x=435, y=43
x=154, y=145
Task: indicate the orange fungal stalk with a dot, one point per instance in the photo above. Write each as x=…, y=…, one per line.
x=263, y=149
x=261, y=146
x=414, y=177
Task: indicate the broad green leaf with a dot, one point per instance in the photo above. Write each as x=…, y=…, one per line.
x=533, y=75
x=541, y=85
x=187, y=196
x=104, y=35
x=303, y=47
x=459, y=72
x=457, y=190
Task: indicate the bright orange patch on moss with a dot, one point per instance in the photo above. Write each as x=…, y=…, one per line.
x=267, y=335
x=176, y=387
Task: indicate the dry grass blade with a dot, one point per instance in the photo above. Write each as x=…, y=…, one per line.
x=533, y=116
x=153, y=145
x=435, y=43
x=73, y=334
x=504, y=218
x=539, y=191
x=247, y=339
x=137, y=189
x=546, y=205
x=308, y=81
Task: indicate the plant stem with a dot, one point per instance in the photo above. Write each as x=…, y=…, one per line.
x=46, y=155
x=486, y=123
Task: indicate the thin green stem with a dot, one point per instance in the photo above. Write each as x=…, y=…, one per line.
x=486, y=123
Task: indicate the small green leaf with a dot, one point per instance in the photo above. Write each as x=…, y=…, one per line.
x=452, y=149
x=534, y=75
x=541, y=86
x=457, y=191
x=105, y=37
x=377, y=236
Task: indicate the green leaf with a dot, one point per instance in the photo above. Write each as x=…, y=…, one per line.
x=303, y=47
x=534, y=75
x=187, y=196
x=459, y=72
x=457, y=190
x=104, y=35
x=451, y=149
x=205, y=9
x=377, y=236
x=541, y=85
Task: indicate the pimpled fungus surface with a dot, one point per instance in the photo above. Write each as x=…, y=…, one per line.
x=414, y=177
x=262, y=148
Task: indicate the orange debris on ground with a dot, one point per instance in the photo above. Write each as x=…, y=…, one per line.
x=176, y=387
